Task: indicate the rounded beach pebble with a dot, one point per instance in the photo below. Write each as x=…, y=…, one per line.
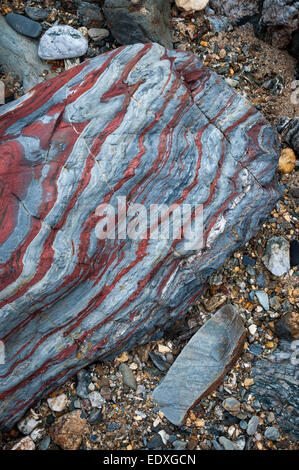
x=62, y=42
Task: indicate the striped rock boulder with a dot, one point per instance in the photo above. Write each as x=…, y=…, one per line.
x=145, y=126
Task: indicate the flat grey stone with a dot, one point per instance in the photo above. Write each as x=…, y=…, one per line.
x=202, y=364
x=263, y=299
x=97, y=34
x=226, y=443
x=36, y=14
x=62, y=42
x=252, y=425
x=23, y=25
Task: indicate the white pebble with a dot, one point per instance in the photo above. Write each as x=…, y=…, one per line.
x=37, y=434
x=96, y=399
x=58, y=403
x=252, y=329
x=24, y=444
x=26, y=425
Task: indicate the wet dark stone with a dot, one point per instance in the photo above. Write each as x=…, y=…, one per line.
x=24, y=25
x=230, y=419
x=288, y=326
x=261, y=280
x=295, y=192
x=294, y=253
x=113, y=426
x=90, y=15
x=247, y=261
x=50, y=420
x=155, y=442
x=294, y=46
x=159, y=361
x=289, y=130
x=95, y=416
x=142, y=22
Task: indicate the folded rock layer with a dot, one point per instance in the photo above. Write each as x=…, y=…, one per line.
x=141, y=122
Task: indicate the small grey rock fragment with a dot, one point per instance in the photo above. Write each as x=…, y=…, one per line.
x=179, y=445
x=218, y=23
x=82, y=387
x=26, y=425
x=253, y=425
x=272, y=434
x=263, y=299
x=36, y=14
x=96, y=399
x=97, y=34
x=232, y=405
x=226, y=443
x=45, y=443
x=128, y=376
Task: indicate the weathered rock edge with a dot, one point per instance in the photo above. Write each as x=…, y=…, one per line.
x=18, y=55
x=156, y=126
x=202, y=365
x=276, y=385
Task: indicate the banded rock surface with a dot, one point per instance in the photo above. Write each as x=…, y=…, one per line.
x=155, y=126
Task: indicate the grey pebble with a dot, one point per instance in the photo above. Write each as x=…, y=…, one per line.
x=45, y=443
x=272, y=434
x=253, y=425
x=128, y=376
x=179, y=445
x=24, y=25
x=226, y=443
x=36, y=14
x=263, y=299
